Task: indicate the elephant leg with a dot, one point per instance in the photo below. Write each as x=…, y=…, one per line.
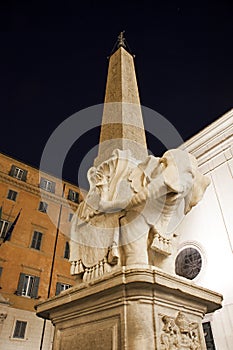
x=134, y=239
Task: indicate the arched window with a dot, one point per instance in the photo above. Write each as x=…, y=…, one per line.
x=188, y=263
x=67, y=251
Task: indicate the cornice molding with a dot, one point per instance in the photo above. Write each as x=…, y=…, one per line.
x=27, y=267
x=36, y=191
x=214, y=140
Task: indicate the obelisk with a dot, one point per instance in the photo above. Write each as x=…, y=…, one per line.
x=122, y=123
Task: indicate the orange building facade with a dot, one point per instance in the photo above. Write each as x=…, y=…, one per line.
x=34, y=257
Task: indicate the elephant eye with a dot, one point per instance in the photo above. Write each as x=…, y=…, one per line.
x=192, y=173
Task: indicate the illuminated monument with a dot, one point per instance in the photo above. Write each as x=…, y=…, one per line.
x=124, y=239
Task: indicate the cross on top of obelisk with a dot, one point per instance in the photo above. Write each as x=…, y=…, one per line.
x=121, y=40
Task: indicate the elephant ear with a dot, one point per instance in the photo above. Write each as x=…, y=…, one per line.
x=197, y=191
x=91, y=177
x=176, y=165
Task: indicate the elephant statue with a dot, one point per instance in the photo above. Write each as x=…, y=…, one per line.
x=131, y=212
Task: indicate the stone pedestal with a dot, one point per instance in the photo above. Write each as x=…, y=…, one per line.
x=133, y=308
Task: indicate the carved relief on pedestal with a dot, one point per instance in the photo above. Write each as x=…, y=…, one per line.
x=179, y=333
x=102, y=334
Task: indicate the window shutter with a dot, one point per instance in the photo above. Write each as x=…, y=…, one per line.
x=70, y=195
x=34, y=292
x=76, y=197
x=67, y=251
x=24, y=176
x=12, y=171
x=39, y=239
x=41, y=206
x=73, y=196
x=41, y=182
x=17, y=330
x=7, y=235
x=22, y=329
x=20, y=284
x=53, y=184
x=33, y=245
x=58, y=288
x=45, y=207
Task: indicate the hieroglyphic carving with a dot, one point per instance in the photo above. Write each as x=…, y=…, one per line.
x=179, y=333
x=101, y=336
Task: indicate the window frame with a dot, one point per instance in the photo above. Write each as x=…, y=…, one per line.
x=47, y=185
x=73, y=196
x=16, y=170
x=18, y=174
x=14, y=337
x=36, y=240
x=28, y=285
x=60, y=285
x=13, y=195
x=43, y=207
x=3, y=234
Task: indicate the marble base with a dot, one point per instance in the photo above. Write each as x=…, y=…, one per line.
x=134, y=308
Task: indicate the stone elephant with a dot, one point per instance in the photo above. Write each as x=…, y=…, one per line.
x=132, y=209
x=167, y=189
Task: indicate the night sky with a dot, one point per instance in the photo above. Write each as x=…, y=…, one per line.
x=53, y=63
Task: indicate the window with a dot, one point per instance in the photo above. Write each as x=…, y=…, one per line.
x=188, y=263
x=209, y=339
x=12, y=195
x=61, y=286
x=20, y=328
x=47, y=185
x=67, y=251
x=4, y=226
x=43, y=207
x=36, y=240
x=70, y=216
x=18, y=173
x=73, y=196
x=28, y=285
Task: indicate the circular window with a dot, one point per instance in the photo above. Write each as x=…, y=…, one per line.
x=188, y=263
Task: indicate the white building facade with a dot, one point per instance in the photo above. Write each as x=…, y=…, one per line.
x=208, y=228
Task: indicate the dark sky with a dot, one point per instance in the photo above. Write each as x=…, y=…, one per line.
x=53, y=63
